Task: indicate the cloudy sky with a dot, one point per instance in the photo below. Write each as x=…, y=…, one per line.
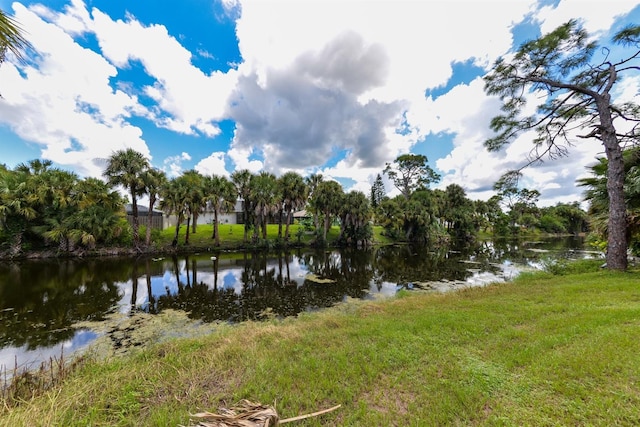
x=332, y=87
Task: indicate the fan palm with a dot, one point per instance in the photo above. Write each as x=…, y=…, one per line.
x=597, y=195
x=327, y=199
x=173, y=201
x=241, y=179
x=221, y=196
x=11, y=38
x=263, y=191
x=154, y=180
x=294, y=193
x=125, y=168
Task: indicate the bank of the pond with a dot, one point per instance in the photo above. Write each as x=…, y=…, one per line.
x=543, y=350
x=231, y=239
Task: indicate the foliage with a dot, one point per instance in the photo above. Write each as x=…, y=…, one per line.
x=220, y=196
x=241, y=179
x=125, y=168
x=262, y=196
x=563, y=267
x=378, y=192
x=154, y=181
x=195, y=198
x=458, y=213
x=561, y=68
x=174, y=196
x=41, y=206
x=12, y=38
x=596, y=195
x=410, y=172
x=293, y=192
x=563, y=218
x=355, y=215
x=327, y=199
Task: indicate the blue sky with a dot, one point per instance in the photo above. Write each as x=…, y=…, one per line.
x=332, y=87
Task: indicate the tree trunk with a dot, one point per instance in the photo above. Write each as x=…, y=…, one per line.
x=134, y=213
x=326, y=227
x=245, y=215
x=186, y=235
x=256, y=229
x=617, y=225
x=264, y=227
x=147, y=239
x=175, y=238
x=216, y=230
x=286, y=228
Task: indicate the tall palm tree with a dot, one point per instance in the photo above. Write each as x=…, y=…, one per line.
x=173, y=202
x=355, y=213
x=263, y=191
x=154, y=180
x=293, y=191
x=11, y=38
x=241, y=179
x=327, y=199
x=125, y=168
x=312, y=182
x=221, y=196
x=195, y=200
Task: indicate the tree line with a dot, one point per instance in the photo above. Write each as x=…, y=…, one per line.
x=437, y=216
x=43, y=207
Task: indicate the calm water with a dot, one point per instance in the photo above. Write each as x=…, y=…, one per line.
x=41, y=302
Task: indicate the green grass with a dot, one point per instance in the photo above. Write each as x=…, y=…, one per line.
x=232, y=235
x=544, y=350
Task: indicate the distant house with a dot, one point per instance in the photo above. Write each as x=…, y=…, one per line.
x=302, y=215
x=157, y=216
x=233, y=217
x=236, y=216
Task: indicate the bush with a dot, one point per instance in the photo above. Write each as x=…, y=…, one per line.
x=561, y=267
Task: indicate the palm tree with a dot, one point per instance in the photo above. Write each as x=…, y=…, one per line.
x=241, y=179
x=125, y=168
x=195, y=201
x=100, y=211
x=327, y=199
x=312, y=182
x=17, y=205
x=355, y=213
x=263, y=191
x=154, y=180
x=173, y=202
x=11, y=38
x=294, y=193
x=56, y=193
x=221, y=196
x=597, y=196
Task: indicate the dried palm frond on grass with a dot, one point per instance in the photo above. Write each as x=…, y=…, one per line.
x=249, y=414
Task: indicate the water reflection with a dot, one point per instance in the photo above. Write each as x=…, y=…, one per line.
x=41, y=301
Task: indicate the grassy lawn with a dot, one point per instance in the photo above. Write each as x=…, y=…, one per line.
x=544, y=350
x=232, y=235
